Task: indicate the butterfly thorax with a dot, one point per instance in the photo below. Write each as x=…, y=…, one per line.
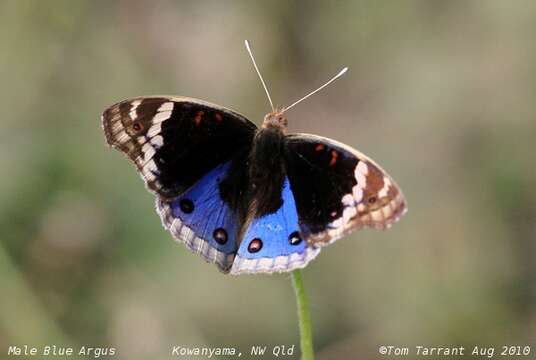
x=275, y=120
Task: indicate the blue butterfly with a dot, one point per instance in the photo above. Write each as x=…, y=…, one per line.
x=249, y=200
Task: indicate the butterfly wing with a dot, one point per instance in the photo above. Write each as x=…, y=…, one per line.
x=337, y=189
x=202, y=220
x=273, y=242
x=189, y=153
x=174, y=141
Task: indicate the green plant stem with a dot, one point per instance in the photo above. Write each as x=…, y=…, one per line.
x=304, y=316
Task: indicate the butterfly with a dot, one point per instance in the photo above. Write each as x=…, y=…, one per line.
x=250, y=200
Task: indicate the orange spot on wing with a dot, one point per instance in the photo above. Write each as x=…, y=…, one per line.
x=319, y=147
x=218, y=117
x=334, y=156
x=198, y=117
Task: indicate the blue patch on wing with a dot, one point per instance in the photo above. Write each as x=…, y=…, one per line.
x=203, y=211
x=276, y=234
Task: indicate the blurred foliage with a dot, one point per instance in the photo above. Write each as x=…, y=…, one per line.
x=442, y=94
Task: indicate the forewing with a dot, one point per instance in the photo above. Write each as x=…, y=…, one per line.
x=338, y=189
x=174, y=141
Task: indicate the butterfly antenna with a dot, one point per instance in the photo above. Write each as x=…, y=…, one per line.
x=259, y=73
x=341, y=73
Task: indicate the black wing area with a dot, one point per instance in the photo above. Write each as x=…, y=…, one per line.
x=175, y=141
x=337, y=189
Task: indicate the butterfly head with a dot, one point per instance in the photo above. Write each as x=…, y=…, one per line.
x=275, y=119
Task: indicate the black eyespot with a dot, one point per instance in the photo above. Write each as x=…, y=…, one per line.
x=220, y=235
x=136, y=126
x=372, y=199
x=294, y=238
x=187, y=206
x=255, y=245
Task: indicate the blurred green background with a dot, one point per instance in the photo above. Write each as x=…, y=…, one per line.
x=441, y=94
